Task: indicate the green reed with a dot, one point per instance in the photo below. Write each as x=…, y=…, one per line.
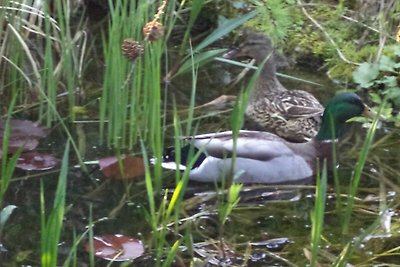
x=161, y=217
x=14, y=54
x=7, y=163
x=116, y=86
x=52, y=225
x=317, y=215
x=69, y=68
x=36, y=81
x=43, y=54
x=356, y=175
x=130, y=103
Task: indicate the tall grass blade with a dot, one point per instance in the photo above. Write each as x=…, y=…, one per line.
x=7, y=164
x=196, y=7
x=224, y=29
x=198, y=59
x=51, y=227
x=358, y=170
x=149, y=189
x=171, y=254
x=237, y=116
x=318, y=213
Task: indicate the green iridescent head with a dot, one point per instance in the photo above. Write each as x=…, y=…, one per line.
x=338, y=111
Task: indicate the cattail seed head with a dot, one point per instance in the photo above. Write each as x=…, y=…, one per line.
x=132, y=49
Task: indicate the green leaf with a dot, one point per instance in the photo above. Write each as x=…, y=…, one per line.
x=393, y=94
x=224, y=29
x=376, y=98
x=386, y=64
x=365, y=74
x=396, y=50
x=389, y=81
x=200, y=59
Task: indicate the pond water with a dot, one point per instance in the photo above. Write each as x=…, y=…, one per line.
x=271, y=226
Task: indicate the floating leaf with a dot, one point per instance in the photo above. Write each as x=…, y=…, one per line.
x=132, y=167
x=116, y=247
x=27, y=144
x=23, y=134
x=34, y=161
x=24, y=129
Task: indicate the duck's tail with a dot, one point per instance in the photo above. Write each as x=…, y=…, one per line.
x=187, y=153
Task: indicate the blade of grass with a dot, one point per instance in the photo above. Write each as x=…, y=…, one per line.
x=358, y=170
x=199, y=59
x=224, y=29
x=196, y=7
x=51, y=227
x=7, y=164
x=318, y=213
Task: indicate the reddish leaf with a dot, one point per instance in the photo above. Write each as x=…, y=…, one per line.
x=36, y=161
x=23, y=134
x=24, y=129
x=132, y=167
x=27, y=144
x=116, y=247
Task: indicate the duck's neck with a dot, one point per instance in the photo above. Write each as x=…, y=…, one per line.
x=330, y=129
x=267, y=81
x=265, y=87
x=268, y=70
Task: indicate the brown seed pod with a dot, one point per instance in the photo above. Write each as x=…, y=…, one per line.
x=132, y=49
x=153, y=30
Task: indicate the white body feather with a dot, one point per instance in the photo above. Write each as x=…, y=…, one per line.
x=253, y=171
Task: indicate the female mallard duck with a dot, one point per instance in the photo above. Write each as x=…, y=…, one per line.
x=292, y=114
x=263, y=157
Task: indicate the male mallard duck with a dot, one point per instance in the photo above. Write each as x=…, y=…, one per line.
x=292, y=114
x=263, y=157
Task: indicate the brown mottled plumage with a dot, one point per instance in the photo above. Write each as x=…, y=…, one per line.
x=292, y=114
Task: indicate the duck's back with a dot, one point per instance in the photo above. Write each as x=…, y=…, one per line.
x=292, y=114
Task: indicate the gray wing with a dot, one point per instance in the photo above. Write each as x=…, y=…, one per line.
x=250, y=144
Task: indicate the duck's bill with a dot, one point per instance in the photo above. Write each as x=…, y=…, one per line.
x=369, y=113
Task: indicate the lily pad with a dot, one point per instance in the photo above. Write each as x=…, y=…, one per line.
x=23, y=134
x=27, y=144
x=23, y=129
x=116, y=247
x=34, y=161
